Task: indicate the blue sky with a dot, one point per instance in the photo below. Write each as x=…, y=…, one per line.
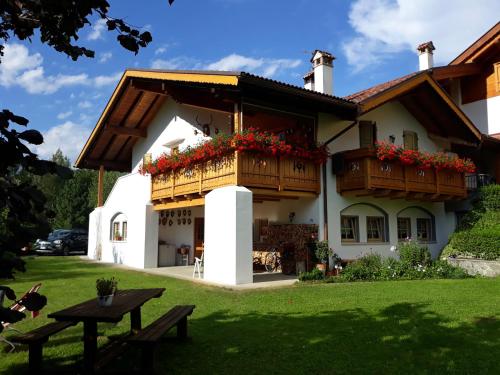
x=373, y=41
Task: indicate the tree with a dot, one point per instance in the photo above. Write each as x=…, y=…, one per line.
x=23, y=209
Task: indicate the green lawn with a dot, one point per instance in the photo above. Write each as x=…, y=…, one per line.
x=431, y=326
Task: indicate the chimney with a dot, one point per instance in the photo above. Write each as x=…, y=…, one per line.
x=425, y=56
x=321, y=77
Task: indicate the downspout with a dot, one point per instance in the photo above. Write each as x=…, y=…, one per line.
x=325, y=195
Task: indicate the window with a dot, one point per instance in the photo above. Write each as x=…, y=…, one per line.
x=367, y=134
x=124, y=231
x=375, y=229
x=404, y=228
x=119, y=227
x=410, y=140
x=349, y=229
x=147, y=159
x=424, y=230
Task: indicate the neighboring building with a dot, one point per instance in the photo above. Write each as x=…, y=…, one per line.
x=250, y=203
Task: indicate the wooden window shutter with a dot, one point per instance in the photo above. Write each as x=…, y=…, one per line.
x=410, y=140
x=367, y=134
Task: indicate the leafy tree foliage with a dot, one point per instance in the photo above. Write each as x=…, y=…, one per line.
x=23, y=209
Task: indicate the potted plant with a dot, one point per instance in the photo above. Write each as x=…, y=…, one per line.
x=106, y=289
x=322, y=252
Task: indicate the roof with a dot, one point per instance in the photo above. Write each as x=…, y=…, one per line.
x=365, y=94
x=488, y=41
x=140, y=93
x=425, y=99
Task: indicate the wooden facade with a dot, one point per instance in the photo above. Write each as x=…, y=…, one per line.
x=273, y=177
x=363, y=174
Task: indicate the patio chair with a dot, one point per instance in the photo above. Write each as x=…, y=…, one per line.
x=198, y=265
x=18, y=307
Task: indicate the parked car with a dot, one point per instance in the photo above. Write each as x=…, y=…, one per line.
x=63, y=241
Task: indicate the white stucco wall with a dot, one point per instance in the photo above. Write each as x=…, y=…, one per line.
x=485, y=114
x=130, y=197
x=391, y=119
x=306, y=211
x=174, y=121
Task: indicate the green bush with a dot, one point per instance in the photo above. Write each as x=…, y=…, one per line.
x=315, y=274
x=489, y=197
x=482, y=243
x=372, y=268
x=412, y=255
x=367, y=267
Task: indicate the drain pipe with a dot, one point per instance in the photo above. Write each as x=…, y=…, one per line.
x=325, y=194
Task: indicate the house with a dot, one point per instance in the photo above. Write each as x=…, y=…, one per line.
x=247, y=197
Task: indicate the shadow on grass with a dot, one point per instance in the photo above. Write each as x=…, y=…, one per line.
x=402, y=338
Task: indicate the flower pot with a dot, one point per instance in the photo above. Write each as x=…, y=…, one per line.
x=105, y=301
x=321, y=267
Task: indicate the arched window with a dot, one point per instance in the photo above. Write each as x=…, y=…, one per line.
x=416, y=223
x=119, y=227
x=363, y=222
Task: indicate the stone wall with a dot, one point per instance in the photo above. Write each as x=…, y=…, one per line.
x=489, y=268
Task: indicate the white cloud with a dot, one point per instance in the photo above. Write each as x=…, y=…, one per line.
x=387, y=27
x=85, y=104
x=160, y=51
x=97, y=29
x=180, y=62
x=104, y=80
x=266, y=67
x=20, y=68
x=262, y=66
x=69, y=137
x=105, y=56
x=64, y=115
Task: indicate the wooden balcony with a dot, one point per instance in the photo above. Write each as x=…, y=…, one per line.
x=268, y=177
x=363, y=174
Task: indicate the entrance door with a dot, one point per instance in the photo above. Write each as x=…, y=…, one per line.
x=199, y=236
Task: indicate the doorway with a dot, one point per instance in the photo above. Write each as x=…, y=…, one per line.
x=199, y=236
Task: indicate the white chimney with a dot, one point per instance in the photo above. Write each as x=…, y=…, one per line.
x=321, y=77
x=425, y=56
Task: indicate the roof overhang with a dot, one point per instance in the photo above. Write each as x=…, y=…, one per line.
x=424, y=98
x=140, y=93
x=486, y=45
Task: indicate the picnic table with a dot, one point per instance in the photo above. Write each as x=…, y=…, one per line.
x=90, y=313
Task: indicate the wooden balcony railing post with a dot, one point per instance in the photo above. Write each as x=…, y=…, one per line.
x=200, y=182
x=280, y=174
x=173, y=184
x=438, y=188
x=368, y=171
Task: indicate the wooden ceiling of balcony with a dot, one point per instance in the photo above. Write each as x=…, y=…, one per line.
x=432, y=111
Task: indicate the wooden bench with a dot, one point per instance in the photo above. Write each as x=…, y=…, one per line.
x=35, y=340
x=149, y=337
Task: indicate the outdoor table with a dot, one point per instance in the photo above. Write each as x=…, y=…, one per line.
x=90, y=313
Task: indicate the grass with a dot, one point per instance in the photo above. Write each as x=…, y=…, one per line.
x=423, y=327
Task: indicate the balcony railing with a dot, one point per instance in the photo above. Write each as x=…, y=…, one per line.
x=475, y=181
x=363, y=174
x=244, y=169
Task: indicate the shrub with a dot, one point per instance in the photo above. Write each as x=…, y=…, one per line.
x=443, y=270
x=315, y=274
x=413, y=255
x=323, y=251
x=368, y=267
x=489, y=197
x=482, y=243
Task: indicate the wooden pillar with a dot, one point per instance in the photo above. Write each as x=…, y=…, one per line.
x=100, y=187
x=236, y=119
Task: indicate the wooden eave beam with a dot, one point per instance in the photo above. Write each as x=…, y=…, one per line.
x=120, y=130
x=455, y=71
x=108, y=164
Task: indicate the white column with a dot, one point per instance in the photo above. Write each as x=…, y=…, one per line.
x=228, y=236
x=94, y=249
x=150, y=238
